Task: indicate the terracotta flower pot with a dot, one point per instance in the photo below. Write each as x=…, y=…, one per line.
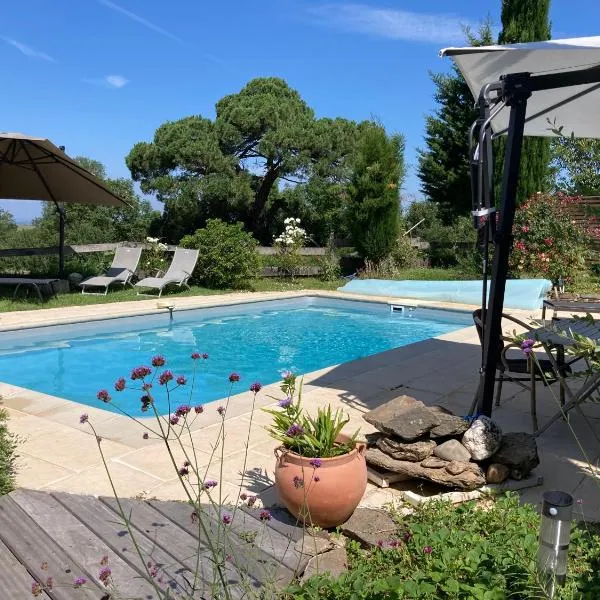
x=324, y=495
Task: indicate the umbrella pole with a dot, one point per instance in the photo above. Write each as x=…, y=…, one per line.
x=61, y=241
x=516, y=92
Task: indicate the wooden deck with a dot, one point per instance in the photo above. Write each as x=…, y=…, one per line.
x=65, y=536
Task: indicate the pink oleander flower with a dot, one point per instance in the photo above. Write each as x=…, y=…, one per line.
x=140, y=372
x=181, y=380
x=165, y=377
x=234, y=377
x=158, y=361
x=198, y=409
x=265, y=515
x=256, y=387
x=103, y=395
x=120, y=384
x=83, y=418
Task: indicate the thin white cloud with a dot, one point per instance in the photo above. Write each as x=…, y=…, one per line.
x=28, y=50
x=140, y=20
x=110, y=81
x=117, y=81
x=394, y=24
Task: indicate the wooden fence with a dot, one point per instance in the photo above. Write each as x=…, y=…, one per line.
x=581, y=212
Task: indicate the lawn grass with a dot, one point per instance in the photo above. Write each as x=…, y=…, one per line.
x=266, y=284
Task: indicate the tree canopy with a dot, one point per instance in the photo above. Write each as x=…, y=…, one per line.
x=443, y=166
x=248, y=163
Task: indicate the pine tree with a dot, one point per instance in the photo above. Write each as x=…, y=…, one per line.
x=525, y=21
x=444, y=165
x=373, y=207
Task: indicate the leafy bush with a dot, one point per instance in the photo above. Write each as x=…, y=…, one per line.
x=8, y=444
x=445, y=552
x=228, y=256
x=329, y=265
x=547, y=242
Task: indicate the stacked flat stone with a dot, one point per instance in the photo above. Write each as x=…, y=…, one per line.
x=433, y=444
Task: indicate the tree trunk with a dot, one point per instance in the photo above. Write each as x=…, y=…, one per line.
x=258, y=216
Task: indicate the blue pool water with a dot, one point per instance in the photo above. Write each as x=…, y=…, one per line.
x=256, y=340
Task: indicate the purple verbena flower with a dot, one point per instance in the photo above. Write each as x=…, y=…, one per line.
x=198, y=409
x=427, y=550
x=265, y=515
x=183, y=471
x=36, y=589
x=226, y=518
x=158, y=361
x=83, y=418
x=183, y=410
x=316, y=463
x=298, y=482
x=165, y=377
x=79, y=581
x=195, y=355
x=145, y=436
x=140, y=372
x=103, y=395
x=174, y=420
x=181, y=380
x=221, y=410
x=49, y=583
x=209, y=483
x=104, y=575
x=256, y=387
x=120, y=384
x=234, y=377
x=251, y=501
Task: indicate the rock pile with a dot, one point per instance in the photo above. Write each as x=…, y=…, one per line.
x=431, y=443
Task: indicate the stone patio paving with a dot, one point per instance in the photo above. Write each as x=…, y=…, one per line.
x=60, y=455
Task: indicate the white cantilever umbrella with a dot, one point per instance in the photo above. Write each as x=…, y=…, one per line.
x=576, y=107
x=521, y=89
x=34, y=168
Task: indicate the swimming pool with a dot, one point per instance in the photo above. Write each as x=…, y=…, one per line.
x=257, y=340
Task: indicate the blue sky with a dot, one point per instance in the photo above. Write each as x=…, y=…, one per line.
x=100, y=75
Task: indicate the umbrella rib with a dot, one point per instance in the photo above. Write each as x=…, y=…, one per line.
x=39, y=174
x=83, y=173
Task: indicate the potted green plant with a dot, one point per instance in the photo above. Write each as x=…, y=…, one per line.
x=320, y=473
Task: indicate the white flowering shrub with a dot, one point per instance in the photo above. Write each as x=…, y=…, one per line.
x=288, y=244
x=154, y=260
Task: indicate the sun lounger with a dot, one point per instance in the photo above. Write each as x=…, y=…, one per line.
x=180, y=270
x=124, y=264
x=35, y=284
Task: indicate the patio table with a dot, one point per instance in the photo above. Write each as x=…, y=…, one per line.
x=556, y=336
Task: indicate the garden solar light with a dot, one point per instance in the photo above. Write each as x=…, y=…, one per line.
x=555, y=533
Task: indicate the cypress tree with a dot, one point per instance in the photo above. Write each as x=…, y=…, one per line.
x=444, y=165
x=525, y=21
x=373, y=208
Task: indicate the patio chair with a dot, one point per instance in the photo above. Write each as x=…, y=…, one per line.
x=525, y=371
x=121, y=271
x=179, y=271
